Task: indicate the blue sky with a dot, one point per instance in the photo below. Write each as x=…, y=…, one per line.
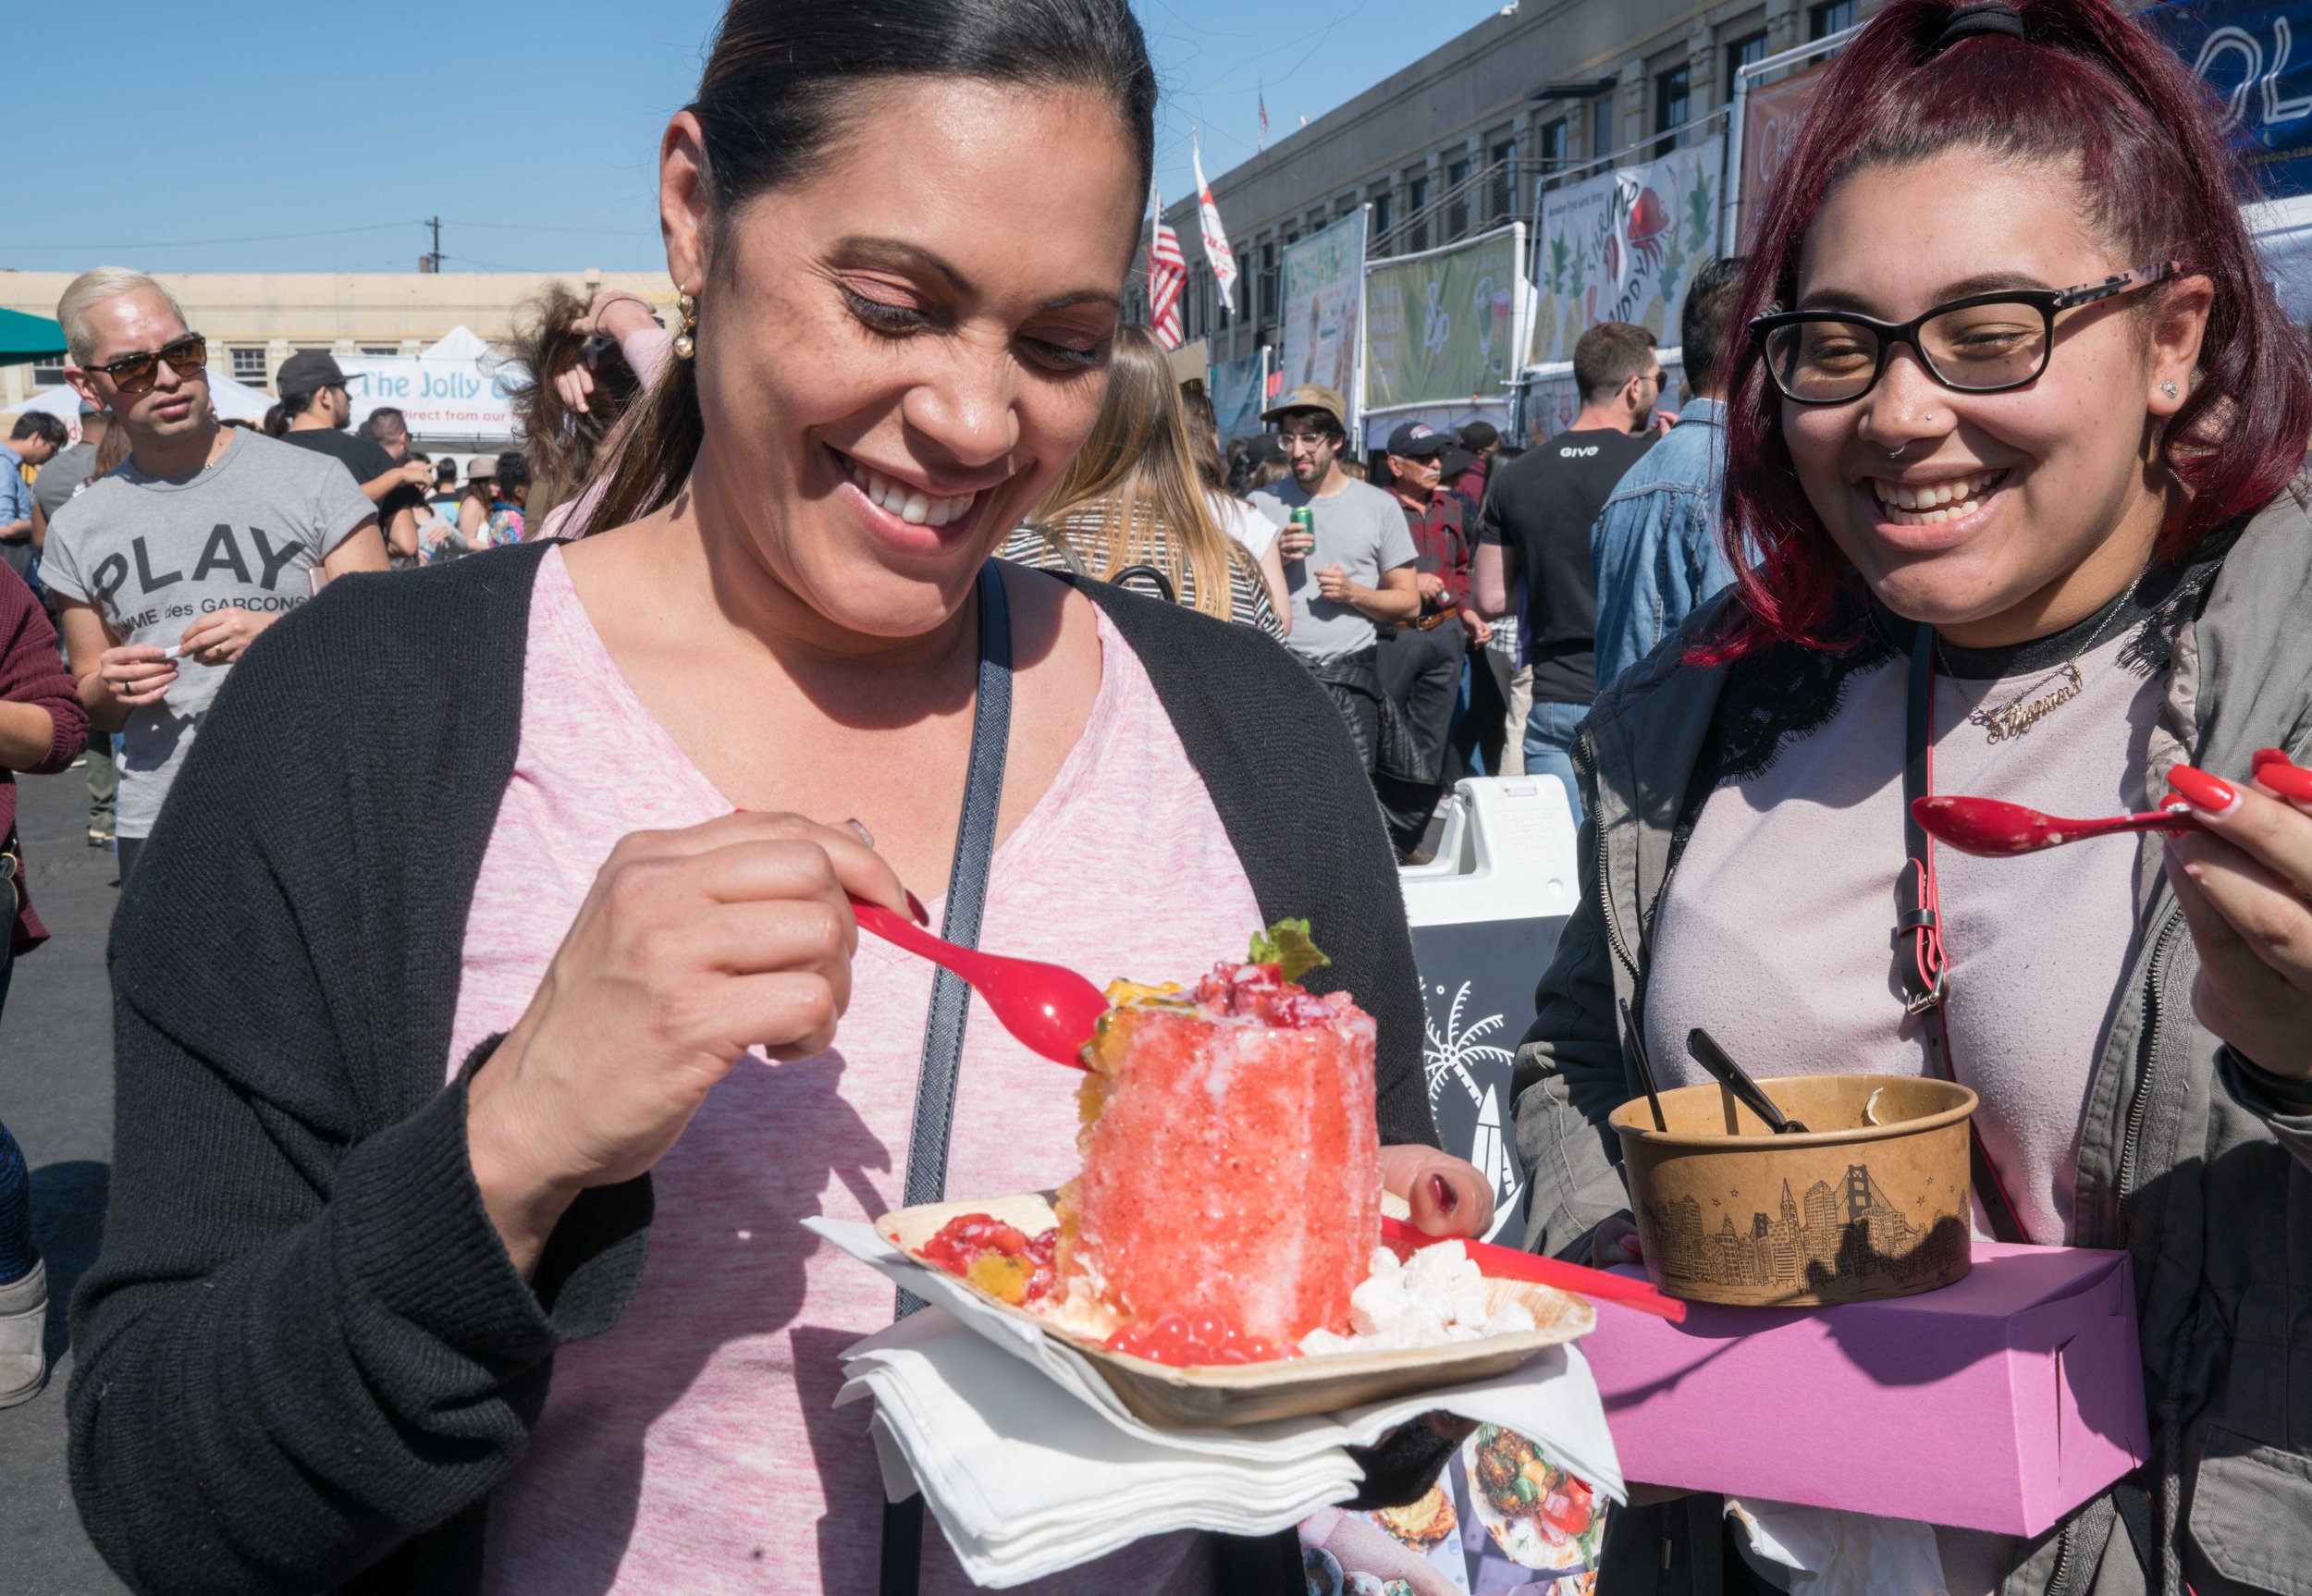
x=314, y=135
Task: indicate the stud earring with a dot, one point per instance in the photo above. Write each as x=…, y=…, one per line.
x=687, y=340
x=2168, y=388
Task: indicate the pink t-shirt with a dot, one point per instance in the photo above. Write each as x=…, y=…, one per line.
x=694, y=1447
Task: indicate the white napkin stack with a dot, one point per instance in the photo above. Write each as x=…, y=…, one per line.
x=1032, y=1464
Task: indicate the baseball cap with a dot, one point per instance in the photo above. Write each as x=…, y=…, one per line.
x=308, y=371
x=1418, y=440
x=481, y=465
x=1310, y=396
x=1476, y=435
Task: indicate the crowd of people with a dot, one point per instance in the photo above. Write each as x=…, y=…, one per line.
x=483, y=921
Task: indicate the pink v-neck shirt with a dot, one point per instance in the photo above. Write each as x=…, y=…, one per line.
x=694, y=1447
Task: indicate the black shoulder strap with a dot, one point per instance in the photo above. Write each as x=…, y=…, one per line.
x=951, y=999
x=1919, y=931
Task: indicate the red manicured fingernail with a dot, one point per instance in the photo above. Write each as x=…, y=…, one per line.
x=2263, y=757
x=2208, y=794
x=1441, y=1192
x=915, y=907
x=2288, y=781
x=2174, y=801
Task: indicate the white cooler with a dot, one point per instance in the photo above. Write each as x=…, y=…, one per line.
x=1486, y=914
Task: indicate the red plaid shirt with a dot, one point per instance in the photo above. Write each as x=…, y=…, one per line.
x=1441, y=543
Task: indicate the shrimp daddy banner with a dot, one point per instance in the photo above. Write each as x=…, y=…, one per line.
x=1323, y=274
x=1443, y=326
x=1622, y=246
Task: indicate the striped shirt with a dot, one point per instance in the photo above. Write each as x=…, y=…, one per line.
x=1084, y=532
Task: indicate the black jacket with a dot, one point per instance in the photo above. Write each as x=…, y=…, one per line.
x=304, y=1358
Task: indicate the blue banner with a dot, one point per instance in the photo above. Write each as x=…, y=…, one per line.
x=2256, y=55
x=1237, y=395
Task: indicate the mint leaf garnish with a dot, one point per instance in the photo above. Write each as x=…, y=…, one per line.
x=1286, y=945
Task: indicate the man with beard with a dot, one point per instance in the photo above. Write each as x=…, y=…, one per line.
x=1348, y=572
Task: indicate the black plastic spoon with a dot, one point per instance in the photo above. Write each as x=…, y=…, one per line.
x=1734, y=1078
x=1645, y=1065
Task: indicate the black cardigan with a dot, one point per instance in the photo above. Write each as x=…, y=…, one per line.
x=304, y=1358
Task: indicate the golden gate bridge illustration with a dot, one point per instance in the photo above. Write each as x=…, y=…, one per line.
x=1851, y=1229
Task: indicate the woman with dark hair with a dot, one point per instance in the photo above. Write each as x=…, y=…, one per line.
x=443, y=992
x=591, y=362
x=2013, y=438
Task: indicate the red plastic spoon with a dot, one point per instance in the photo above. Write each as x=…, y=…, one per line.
x=1510, y=1263
x=1050, y=1008
x=1997, y=830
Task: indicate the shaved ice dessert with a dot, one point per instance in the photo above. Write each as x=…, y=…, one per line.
x=1230, y=1198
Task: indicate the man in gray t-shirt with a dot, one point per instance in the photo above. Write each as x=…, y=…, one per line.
x=166, y=570
x=1358, y=570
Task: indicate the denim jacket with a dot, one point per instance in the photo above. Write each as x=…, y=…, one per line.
x=1653, y=551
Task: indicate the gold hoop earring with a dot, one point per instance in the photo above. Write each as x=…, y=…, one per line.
x=686, y=339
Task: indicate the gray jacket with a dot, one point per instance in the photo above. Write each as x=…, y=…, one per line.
x=2203, y=1178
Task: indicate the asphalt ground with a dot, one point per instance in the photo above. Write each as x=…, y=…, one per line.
x=56, y=1096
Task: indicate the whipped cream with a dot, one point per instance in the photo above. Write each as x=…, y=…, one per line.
x=1435, y=1300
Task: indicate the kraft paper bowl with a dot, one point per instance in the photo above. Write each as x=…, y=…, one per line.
x=1852, y=1210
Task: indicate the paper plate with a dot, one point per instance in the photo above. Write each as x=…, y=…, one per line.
x=1223, y=1395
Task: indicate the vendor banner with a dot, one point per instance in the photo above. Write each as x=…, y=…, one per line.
x=1239, y=389
x=2246, y=52
x=1622, y=246
x=438, y=398
x=1323, y=284
x=1445, y=325
x=1772, y=115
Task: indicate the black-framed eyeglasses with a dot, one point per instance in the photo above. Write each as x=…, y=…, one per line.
x=134, y=373
x=1981, y=344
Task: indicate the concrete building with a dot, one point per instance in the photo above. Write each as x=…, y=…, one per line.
x=1458, y=142
x=254, y=321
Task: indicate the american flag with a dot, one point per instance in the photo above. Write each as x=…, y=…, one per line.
x=1167, y=276
x=1264, y=116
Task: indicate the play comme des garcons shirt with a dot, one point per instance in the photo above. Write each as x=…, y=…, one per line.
x=154, y=554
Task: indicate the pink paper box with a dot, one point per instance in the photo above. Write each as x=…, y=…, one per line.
x=1999, y=1403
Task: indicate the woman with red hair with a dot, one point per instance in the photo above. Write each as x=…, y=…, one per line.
x=2013, y=451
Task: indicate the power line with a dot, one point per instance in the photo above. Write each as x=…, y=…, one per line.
x=203, y=243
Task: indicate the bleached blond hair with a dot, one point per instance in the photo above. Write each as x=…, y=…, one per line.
x=91, y=288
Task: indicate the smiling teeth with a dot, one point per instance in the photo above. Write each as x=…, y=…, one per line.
x=1926, y=504
x=911, y=504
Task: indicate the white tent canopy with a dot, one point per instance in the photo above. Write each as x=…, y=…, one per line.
x=459, y=343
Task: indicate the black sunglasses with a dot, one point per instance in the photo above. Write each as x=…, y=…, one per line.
x=134, y=373
x=1981, y=344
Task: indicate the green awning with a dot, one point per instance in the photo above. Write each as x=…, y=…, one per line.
x=25, y=338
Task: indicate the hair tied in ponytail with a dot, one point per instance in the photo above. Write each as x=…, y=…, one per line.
x=1984, y=17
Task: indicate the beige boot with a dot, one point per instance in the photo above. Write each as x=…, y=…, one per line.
x=23, y=1333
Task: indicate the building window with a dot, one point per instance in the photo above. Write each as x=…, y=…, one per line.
x=1673, y=99
x=1602, y=124
x=381, y=349
x=1268, y=282
x=1745, y=52
x=1502, y=203
x=1456, y=199
x=248, y=363
x=1822, y=22
x=1417, y=211
x=1384, y=212
x=46, y=375
x=1553, y=150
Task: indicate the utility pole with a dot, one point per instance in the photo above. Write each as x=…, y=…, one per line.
x=432, y=263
